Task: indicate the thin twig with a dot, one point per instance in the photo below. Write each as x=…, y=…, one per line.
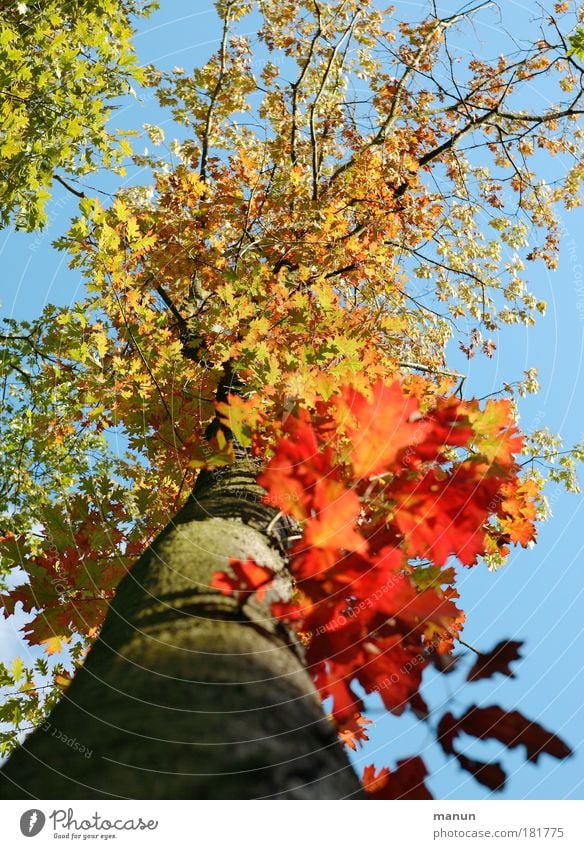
x=468, y=646
x=68, y=187
x=431, y=370
x=215, y=94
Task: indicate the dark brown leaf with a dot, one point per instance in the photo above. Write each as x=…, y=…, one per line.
x=490, y=774
x=419, y=706
x=509, y=727
x=497, y=660
x=448, y=728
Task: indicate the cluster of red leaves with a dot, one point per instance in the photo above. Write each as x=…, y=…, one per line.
x=382, y=489
x=71, y=577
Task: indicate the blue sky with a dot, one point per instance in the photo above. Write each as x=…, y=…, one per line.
x=538, y=597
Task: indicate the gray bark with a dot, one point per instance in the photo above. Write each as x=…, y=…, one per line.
x=185, y=695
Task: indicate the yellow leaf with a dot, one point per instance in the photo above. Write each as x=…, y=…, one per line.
x=121, y=210
x=54, y=644
x=100, y=341
x=17, y=667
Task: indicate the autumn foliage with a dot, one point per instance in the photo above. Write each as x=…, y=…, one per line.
x=386, y=487
x=286, y=289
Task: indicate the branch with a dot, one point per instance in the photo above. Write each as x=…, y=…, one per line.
x=432, y=370
x=392, y=116
x=295, y=87
x=180, y=318
x=68, y=187
x=468, y=646
x=520, y=117
x=146, y=364
x=214, y=96
x=313, y=105
x=451, y=142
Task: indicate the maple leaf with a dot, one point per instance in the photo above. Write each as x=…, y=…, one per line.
x=450, y=426
x=241, y=417
x=444, y=663
x=406, y=782
x=336, y=511
x=444, y=513
x=51, y=622
x=279, y=274
x=55, y=644
x=447, y=730
x=331, y=683
x=373, y=781
x=497, y=660
x=354, y=732
x=390, y=670
x=298, y=465
x=419, y=706
x=496, y=435
x=63, y=679
x=385, y=427
x=508, y=727
x=517, y=510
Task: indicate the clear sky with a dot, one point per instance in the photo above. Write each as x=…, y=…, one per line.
x=538, y=597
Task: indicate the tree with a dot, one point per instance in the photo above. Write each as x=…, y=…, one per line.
x=301, y=464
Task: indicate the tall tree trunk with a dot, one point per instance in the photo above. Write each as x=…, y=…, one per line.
x=185, y=695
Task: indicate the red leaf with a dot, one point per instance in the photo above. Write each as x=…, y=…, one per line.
x=296, y=468
x=372, y=781
x=331, y=683
x=354, y=732
x=446, y=733
x=497, y=660
x=337, y=509
x=385, y=427
x=444, y=663
x=444, y=513
x=391, y=671
x=407, y=782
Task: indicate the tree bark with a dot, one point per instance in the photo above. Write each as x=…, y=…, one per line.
x=185, y=695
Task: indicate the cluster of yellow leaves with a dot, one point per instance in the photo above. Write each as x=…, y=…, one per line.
x=61, y=65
